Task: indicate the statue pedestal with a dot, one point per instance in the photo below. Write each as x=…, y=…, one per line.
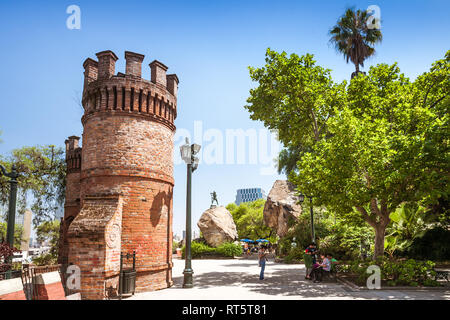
x=212, y=206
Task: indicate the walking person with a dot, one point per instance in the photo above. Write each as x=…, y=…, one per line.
x=262, y=257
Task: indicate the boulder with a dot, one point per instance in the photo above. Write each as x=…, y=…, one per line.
x=217, y=226
x=281, y=205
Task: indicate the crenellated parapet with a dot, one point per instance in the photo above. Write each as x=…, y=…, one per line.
x=128, y=93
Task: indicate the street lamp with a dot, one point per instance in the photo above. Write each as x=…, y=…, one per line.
x=301, y=199
x=13, y=175
x=188, y=153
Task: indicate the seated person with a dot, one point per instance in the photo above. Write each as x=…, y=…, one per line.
x=320, y=268
x=332, y=260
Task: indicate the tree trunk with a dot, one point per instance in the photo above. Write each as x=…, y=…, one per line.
x=379, y=225
x=354, y=74
x=380, y=231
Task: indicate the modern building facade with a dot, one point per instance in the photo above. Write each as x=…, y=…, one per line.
x=250, y=194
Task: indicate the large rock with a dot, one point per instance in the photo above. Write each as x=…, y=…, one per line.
x=217, y=226
x=281, y=205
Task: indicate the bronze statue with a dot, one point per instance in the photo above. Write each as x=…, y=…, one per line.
x=214, y=198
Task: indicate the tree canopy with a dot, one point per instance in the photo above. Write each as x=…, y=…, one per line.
x=41, y=184
x=383, y=142
x=249, y=219
x=49, y=231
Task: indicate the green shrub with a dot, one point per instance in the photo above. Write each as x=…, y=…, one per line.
x=226, y=250
x=434, y=244
x=394, y=272
x=294, y=255
x=174, y=247
x=229, y=249
x=45, y=259
x=197, y=249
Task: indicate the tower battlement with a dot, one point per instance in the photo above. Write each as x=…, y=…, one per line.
x=105, y=91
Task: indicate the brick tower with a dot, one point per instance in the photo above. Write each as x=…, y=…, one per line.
x=120, y=183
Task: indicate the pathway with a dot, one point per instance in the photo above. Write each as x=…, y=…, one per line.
x=236, y=279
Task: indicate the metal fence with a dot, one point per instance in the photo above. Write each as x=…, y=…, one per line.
x=13, y=274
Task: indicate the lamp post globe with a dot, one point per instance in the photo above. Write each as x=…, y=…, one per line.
x=301, y=197
x=185, y=151
x=195, y=148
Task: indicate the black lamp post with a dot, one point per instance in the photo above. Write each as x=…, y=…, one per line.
x=13, y=175
x=188, y=153
x=301, y=199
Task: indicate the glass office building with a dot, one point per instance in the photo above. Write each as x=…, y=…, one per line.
x=250, y=194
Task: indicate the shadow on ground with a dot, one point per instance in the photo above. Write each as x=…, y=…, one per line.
x=280, y=282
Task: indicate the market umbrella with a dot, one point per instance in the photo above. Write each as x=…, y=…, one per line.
x=247, y=240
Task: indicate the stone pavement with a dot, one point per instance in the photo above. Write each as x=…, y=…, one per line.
x=235, y=279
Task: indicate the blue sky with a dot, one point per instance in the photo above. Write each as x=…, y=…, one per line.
x=208, y=44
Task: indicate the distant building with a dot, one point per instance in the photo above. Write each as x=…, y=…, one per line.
x=26, y=233
x=19, y=219
x=250, y=194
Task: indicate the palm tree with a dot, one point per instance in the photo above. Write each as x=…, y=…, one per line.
x=352, y=37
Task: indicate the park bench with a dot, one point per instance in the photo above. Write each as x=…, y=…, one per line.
x=441, y=274
x=333, y=272
x=334, y=267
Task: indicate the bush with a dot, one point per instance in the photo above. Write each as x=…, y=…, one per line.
x=45, y=260
x=5, y=252
x=229, y=249
x=401, y=272
x=294, y=255
x=199, y=249
x=434, y=244
x=174, y=246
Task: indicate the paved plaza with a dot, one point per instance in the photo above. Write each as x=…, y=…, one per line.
x=235, y=279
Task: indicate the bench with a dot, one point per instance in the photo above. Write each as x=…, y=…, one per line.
x=333, y=272
x=441, y=274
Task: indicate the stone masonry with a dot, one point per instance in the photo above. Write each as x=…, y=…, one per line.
x=119, y=185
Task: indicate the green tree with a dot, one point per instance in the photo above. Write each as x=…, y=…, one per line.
x=352, y=37
x=42, y=179
x=346, y=235
x=249, y=220
x=48, y=231
x=18, y=230
x=294, y=95
x=377, y=155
